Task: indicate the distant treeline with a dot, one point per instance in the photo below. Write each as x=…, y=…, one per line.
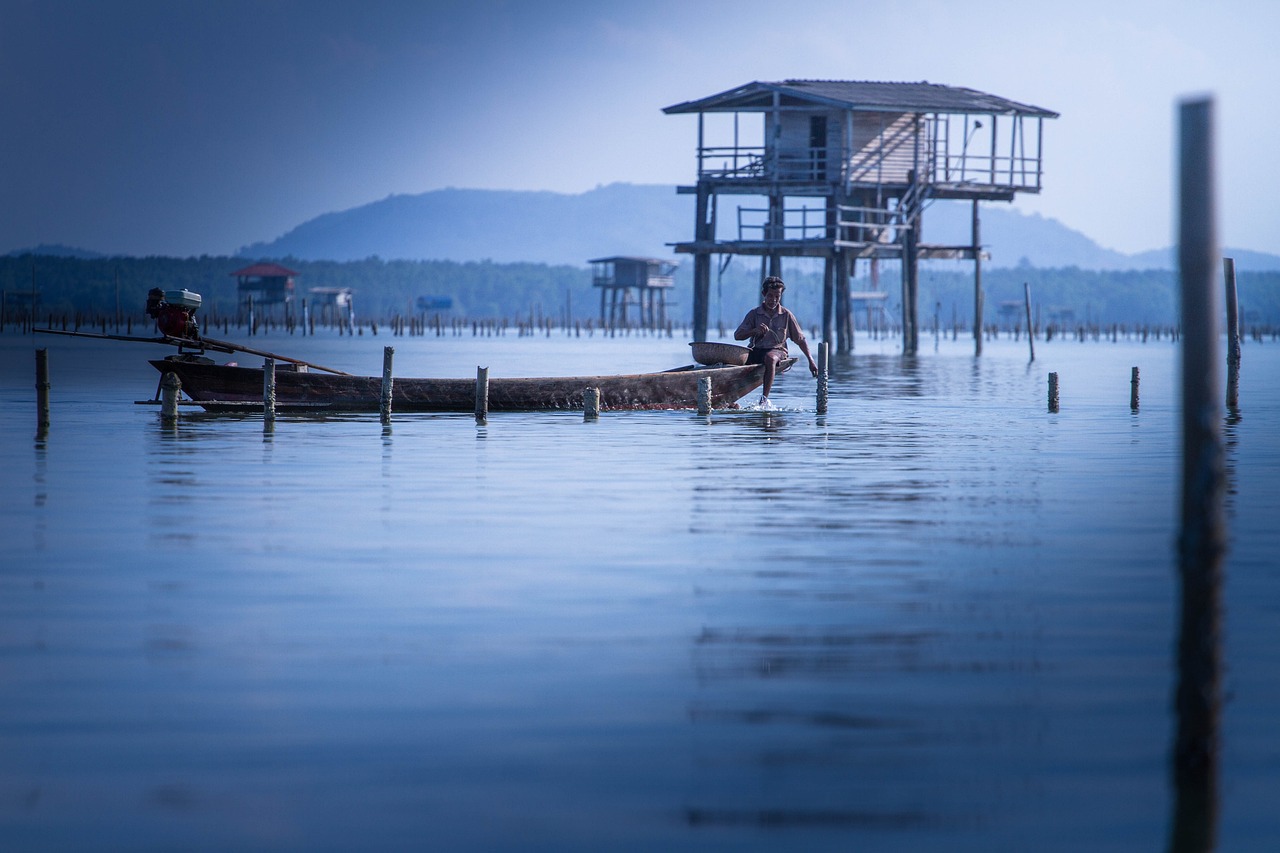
x=482, y=289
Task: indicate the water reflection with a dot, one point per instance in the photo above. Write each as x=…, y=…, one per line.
x=834, y=637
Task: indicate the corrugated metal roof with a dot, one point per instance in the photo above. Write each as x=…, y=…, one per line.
x=872, y=96
x=265, y=271
x=632, y=259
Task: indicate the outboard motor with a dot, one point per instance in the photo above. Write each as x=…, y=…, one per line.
x=174, y=312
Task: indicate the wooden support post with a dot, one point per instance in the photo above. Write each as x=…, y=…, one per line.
x=703, y=234
x=704, y=395
x=1134, y=390
x=824, y=355
x=42, y=392
x=591, y=404
x=1233, y=333
x=828, y=297
x=1031, y=338
x=268, y=393
x=976, y=227
x=482, y=395
x=1053, y=392
x=170, y=388
x=911, y=314
x=384, y=402
x=844, y=303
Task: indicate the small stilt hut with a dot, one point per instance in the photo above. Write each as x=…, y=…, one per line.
x=265, y=285
x=618, y=277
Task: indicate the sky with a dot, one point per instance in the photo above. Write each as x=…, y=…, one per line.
x=192, y=127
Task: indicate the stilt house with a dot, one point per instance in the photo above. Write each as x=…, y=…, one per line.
x=265, y=284
x=844, y=170
x=649, y=278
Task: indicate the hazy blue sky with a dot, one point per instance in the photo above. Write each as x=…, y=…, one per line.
x=197, y=127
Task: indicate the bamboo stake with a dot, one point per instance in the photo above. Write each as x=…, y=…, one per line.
x=482, y=395
x=384, y=407
x=1031, y=338
x=42, y=392
x=704, y=395
x=1233, y=334
x=823, y=360
x=591, y=404
x=1053, y=392
x=269, y=394
x=1133, y=390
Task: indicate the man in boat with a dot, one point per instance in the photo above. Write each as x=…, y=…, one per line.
x=769, y=326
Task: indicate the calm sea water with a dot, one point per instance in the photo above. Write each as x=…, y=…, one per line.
x=938, y=617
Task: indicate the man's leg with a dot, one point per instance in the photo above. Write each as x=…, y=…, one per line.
x=771, y=359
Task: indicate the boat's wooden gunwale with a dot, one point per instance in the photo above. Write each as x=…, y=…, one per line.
x=232, y=387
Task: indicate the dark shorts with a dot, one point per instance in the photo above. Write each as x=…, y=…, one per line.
x=758, y=356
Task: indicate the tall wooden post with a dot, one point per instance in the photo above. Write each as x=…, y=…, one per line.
x=776, y=232
x=977, y=280
x=828, y=268
x=844, y=308
x=911, y=264
x=1202, y=540
x=702, y=263
x=828, y=297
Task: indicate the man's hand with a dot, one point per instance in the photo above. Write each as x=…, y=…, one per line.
x=761, y=330
x=813, y=366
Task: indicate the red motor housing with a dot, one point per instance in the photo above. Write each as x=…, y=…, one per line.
x=174, y=312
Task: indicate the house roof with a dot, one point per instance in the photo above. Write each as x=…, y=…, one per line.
x=632, y=259
x=265, y=270
x=855, y=95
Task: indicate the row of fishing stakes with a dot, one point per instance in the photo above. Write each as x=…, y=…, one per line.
x=1133, y=391
x=1233, y=349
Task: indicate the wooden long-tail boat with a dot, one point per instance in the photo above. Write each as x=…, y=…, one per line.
x=221, y=387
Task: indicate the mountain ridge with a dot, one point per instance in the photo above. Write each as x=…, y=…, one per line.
x=543, y=226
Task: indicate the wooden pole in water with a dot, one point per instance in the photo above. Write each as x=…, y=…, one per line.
x=824, y=355
x=170, y=388
x=976, y=231
x=1202, y=540
x=269, y=393
x=42, y=392
x=591, y=404
x=1233, y=333
x=482, y=395
x=1031, y=338
x=1053, y=392
x=384, y=403
x=1133, y=390
x=704, y=395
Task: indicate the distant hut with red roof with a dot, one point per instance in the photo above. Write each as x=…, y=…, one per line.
x=265, y=284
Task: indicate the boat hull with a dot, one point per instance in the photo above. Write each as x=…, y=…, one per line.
x=219, y=387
